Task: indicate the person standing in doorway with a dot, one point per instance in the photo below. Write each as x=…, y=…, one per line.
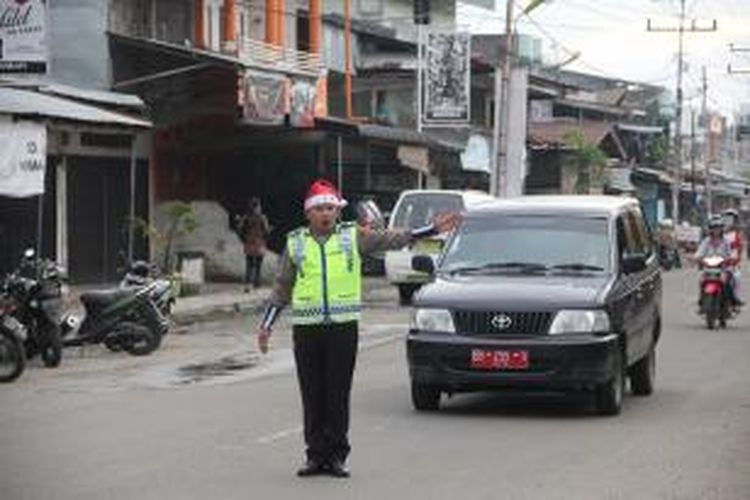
x=254, y=229
x=320, y=275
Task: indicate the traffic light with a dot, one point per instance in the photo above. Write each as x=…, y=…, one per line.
x=421, y=11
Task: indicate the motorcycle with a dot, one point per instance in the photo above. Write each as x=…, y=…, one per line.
x=123, y=319
x=714, y=303
x=669, y=258
x=12, y=337
x=36, y=289
x=140, y=273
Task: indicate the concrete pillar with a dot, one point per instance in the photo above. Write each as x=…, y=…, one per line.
x=199, y=39
x=272, y=24
x=229, y=44
x=316, y=25
x=61, y=212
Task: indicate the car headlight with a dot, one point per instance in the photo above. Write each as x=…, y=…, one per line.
x=433, y=320
x=578, y=321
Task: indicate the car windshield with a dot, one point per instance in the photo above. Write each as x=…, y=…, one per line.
x=417, y=210
x=532, y=244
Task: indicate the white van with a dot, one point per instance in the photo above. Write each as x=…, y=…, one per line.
x=415, y=209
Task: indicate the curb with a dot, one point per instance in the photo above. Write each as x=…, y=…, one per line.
x=215, y=312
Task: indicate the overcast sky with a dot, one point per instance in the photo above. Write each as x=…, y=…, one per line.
x=612, y=38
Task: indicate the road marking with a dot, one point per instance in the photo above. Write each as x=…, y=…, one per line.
x=270, y=438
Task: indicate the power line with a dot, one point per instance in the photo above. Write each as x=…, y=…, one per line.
x=680, y=30
x=565, y=48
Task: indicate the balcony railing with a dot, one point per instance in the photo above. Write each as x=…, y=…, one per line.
x=257, y=53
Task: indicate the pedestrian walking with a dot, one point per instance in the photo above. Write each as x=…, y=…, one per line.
x=254, y=229
x=320, y=275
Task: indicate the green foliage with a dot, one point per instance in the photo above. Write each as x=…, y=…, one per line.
x=658, y=149
x=180, y=221
x=587, y=159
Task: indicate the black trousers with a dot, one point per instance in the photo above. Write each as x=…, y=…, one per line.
x=253, y=264
x=325, y=356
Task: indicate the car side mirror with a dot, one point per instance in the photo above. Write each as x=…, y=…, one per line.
x=423, y=263
x=633, y=263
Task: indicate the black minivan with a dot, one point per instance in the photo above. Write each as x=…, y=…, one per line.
x=559, y=293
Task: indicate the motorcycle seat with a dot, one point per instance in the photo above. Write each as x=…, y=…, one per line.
x=96, y=300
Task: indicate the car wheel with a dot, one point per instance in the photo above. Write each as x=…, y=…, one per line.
x=642, y=375
x=609, y=395
x=425, y=397
x=405, y=294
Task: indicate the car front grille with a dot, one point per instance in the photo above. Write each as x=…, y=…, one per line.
x=502, y=323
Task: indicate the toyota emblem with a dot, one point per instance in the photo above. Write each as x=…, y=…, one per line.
x=501, y=321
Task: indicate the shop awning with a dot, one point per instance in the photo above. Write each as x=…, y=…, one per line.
x=640, y=129
x=32, y=104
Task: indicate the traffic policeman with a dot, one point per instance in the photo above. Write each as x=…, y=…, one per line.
x=320, y=275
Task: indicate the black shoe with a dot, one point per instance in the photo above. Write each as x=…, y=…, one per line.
x=337, y=468
x=311, y=468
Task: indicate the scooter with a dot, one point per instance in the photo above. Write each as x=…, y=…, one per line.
x=714, y=303
x=36, y=289
x=12, y=337
x=122, y=319
x=141, y=273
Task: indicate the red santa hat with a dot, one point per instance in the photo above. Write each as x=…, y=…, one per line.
x=322, y=192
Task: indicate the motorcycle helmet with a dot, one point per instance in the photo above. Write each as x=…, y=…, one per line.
x=730, y=217
x=140, y=268
x=715, y=224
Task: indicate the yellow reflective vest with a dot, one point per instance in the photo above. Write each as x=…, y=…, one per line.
x=328, y=284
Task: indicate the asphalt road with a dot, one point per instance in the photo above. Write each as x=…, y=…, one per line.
x=108, y=426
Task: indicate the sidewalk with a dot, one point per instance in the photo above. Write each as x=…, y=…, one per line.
x=218, y=300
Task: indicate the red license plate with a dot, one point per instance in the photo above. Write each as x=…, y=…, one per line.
x=499, y=360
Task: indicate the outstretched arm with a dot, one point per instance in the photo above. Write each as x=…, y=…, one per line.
x=378, y=241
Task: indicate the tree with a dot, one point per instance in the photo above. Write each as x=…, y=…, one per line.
x=586, y=159
x=180, y=221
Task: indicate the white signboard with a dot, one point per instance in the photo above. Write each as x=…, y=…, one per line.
x=22, y=36
x=447, y=73
x=23, y=158
x=476, y=156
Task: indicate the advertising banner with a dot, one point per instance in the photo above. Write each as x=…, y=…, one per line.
x=266, y=98
x=23, y=158
x=22, y=36
x=447, y=72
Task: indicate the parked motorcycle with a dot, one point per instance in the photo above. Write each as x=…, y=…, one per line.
x=123, y=319
x=12, y=337
x=36, y=289
x=141, y=273
x=714, y=300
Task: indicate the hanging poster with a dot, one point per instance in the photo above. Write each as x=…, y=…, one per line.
x=23, y=158
x=447, y=72
x=22, y=36
x=303, y=104
x=265, y=99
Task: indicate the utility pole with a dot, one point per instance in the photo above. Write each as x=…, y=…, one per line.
x=499, y=163
x=692, y=151
x=681, y=29
x=707, y=142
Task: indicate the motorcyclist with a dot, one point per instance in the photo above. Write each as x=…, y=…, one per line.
x=715, y=245
x=667, y=242
x=733, y=236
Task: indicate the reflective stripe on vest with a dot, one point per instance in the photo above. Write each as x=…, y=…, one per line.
x=327, y=288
